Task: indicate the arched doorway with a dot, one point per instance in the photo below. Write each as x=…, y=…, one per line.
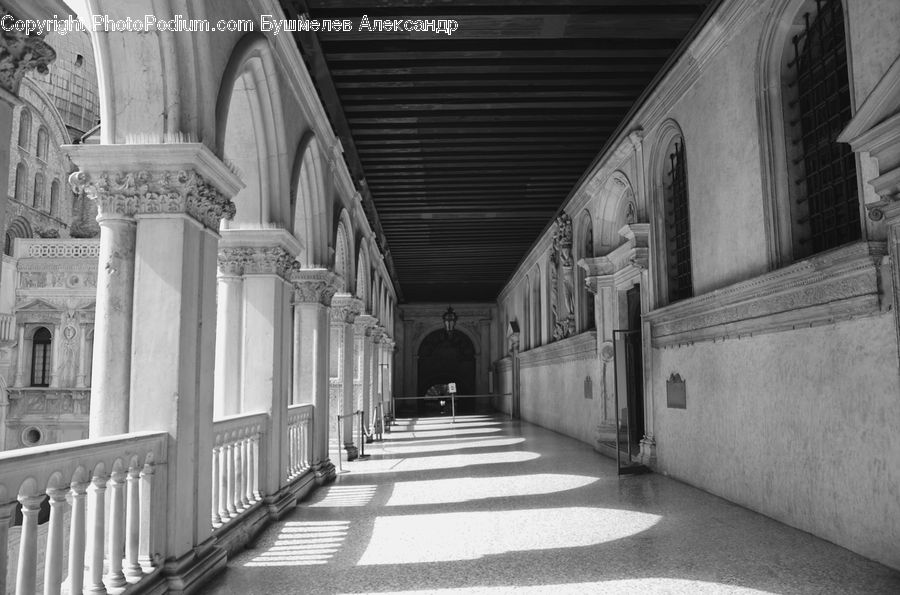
x=444, y=359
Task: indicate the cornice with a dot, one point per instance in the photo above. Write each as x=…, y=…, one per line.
x=840, y=284
x=575, y=348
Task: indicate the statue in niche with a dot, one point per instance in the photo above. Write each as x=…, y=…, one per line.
x=562, y=240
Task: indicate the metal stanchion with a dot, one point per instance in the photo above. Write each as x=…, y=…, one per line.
x=453, y=407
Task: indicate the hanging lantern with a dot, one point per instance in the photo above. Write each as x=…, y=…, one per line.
x=450, y=319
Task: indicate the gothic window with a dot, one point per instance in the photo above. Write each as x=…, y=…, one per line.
x=21, y=182
x=824, y=196
x=24, y=128
x=8, y=245
x=39, y=191
x=677, y=224
x=54, y=198
x=43, y=143
x=40, y=358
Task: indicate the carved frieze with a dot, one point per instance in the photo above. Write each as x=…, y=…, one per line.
x=19, y=54
x=575, y=348
x=56, y=280
x=47, y=402
x=143, y=192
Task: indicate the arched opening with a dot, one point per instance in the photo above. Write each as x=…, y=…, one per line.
x=310, y=209
x=38, y=202
x=443, y=358
x=54, y=198
x=585, y=249
x=18, y=228
x=43, y=143
x=40, y=357
x=24, y=129
x=21, y=182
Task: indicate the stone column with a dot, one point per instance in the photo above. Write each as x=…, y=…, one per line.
x=361, y=326
x=344, y=310
x=229, y=325
x=178, y=192
x=266, y=334
x=83, y=355
x=377, y=334
x=116, y=194
x=313, y=290
x=21, y=380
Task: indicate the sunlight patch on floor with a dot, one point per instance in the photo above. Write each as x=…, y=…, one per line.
x=647, y=586
x=346, y=496
x=448, y=431
x=304, y=544
x=424, y=538
x=464, y=489
x=452, y=461
x=464, y=443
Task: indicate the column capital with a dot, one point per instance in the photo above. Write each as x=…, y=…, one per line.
x=313, y=286
x=377, y=333
x=20, y=53
x=258, y=252
x=345, y=308
x=363, y=323
x=165, y=179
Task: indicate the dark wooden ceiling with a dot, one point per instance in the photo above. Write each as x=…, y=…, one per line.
x=465, y=146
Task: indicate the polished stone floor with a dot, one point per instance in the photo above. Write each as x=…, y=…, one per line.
x=488, y=505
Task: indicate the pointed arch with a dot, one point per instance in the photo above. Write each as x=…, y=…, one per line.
x=343, y=248
x=310, y=209
x=250, y=133
x=362, y=276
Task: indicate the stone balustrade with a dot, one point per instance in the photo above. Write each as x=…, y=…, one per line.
x=57, y=248
x=235, y=465
x=113, y=494
x=300, y=439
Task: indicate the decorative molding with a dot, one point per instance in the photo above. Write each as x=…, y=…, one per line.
x=47, y=402
x=313, y=286
x=839, y=284
x=19, y=54
x=576, y=348
x=622, y=265
x=57, y=248
x=363, y=323
x=233, y=260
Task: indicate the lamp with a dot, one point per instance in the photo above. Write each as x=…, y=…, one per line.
x=450, y=319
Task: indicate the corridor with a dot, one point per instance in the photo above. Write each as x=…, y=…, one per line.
x=489, y=505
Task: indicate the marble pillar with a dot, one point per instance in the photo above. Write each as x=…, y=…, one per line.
x=265, y=336
x=177, y=194
x=313, y=291
x=344, y=310
x=361, y=326
x=229, y=326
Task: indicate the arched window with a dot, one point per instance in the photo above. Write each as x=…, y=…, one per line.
x=678, y=224
x=40, y=358
x=24, y=128
x=585, y=250
x=824, y=196
x=54, y=198
x=39, y=192
x=43, y=143
x=8, y=245
x=18, y=228
x=21, y=182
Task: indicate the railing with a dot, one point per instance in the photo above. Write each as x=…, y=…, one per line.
x=235, y=465
x=84, y=471
x=57, y=248
x=300, y=435
x=7, y=327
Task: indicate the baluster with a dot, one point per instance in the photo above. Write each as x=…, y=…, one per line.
x=292, y=458
x=223, y=483
x=116, y=537
x=238, y=475
x=248, y=474
x=254, y=447
x=96, y=522
x=6, y=515
x=133, y=524
x=53, y=562
x=146, y=548
x=216, y=519
x=245, y=475
x=229, y=459
x=26, y=575
x=77, y=537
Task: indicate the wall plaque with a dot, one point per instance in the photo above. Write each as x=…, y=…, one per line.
x=676, y=393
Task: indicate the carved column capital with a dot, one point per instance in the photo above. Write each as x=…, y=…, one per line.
x=363, y=323
x=345, y=308
x=272, y=260
x=233, y=260
x=125, y=194
x=313, y=286
x=20, y=53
